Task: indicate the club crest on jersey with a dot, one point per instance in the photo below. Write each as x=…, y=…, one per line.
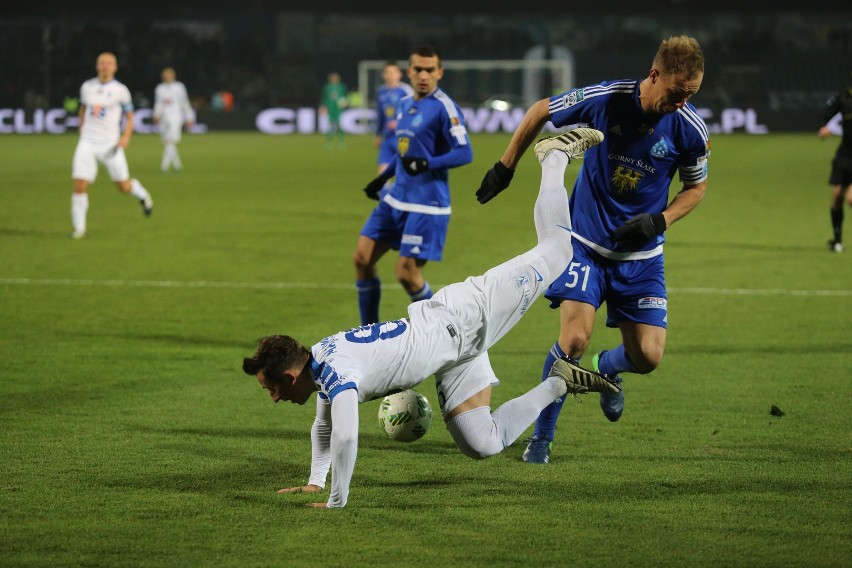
x=626, y=179
x=402, y=145
x=573, y=98
x=660, y=149
x=522, y=280
x=650, y=303
x=417, y=121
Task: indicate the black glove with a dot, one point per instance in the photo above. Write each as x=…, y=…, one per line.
x=374, y=187
x=639, y=230
x=496, y=180
x=415, y=166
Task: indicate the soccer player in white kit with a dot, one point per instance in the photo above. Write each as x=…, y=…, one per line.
x=171, y=111
x=103, y=101
x=447, y=336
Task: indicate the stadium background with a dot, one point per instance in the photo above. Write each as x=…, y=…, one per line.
x=781, y=59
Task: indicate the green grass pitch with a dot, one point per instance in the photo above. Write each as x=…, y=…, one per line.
x=129, y=436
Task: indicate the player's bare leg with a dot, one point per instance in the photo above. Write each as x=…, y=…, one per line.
x=134, y=188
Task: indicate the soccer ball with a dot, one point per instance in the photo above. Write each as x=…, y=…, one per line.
x=405, y=416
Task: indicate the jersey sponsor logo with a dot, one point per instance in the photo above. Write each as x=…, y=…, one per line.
x=651, y=303
x=626, y=179
x=660, y=149
x=573, y=98
x=402, y=145
x=412, y=239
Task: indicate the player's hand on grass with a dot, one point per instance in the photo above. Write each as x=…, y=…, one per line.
x=639, y=230
x=415, y=166
x=374, y=187
x=496, y=180
x=301, y=489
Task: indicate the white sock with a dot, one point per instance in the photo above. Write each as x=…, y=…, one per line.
x=79, y=207
x=137, y=191
x=167, y=158
x=176, y=158
x=478, y=433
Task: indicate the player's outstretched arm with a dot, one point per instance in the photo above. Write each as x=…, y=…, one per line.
x=500, y=176
x=344, y=445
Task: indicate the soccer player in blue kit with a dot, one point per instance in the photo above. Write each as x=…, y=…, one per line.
x=619, y=205
x=387, y=98
x=413, y=215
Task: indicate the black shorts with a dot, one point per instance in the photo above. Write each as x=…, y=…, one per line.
x=841, y=171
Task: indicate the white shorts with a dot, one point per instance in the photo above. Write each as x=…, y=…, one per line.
x=484, y=308
x=88, y=154
x=170, y=129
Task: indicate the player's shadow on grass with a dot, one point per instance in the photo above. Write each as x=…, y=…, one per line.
x=227, y=432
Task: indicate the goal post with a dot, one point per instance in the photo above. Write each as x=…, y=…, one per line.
x=474, y=82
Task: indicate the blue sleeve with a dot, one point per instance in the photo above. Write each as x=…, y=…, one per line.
x=456, y=134
x=571, y=107
x=458, y=156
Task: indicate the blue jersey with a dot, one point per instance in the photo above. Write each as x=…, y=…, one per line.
x=387, y=98
x=431, y=128
x=630, y=172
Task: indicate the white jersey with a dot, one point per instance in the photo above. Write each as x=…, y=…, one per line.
x=171, y=103
x=105, y=103
x=385, y=357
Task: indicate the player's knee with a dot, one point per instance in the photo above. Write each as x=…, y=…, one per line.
x=574, y=342
x=475, y=435
x=647, y=358
x=123, y=186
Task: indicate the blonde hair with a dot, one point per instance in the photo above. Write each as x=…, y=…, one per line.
x=680, y=55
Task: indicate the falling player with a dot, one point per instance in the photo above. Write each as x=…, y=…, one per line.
x=448, y=336
x=103, y=100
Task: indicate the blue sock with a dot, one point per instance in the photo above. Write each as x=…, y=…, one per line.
x=545, y=425
x=616, y=361
x=423, y=294
x=369, y=295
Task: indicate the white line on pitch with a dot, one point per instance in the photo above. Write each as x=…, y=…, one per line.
x=347, y=286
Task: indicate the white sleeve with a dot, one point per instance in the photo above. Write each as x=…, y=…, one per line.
x=344, y=445
x=188, y=111
x=321, y=443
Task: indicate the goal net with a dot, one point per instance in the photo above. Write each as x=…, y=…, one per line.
x=500, y=84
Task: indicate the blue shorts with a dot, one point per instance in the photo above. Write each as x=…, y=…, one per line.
x=387, y=149
x=414, y=235
x=634, y=291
